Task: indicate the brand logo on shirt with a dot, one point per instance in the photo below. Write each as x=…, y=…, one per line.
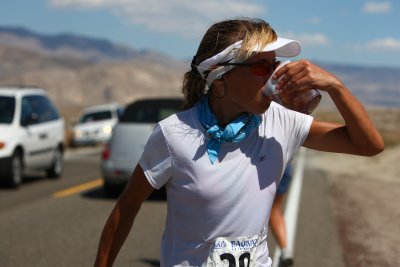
x=244, y=245
x=220, y=245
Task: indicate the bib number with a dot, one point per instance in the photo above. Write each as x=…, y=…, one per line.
x=244, y=259
x=233, y=252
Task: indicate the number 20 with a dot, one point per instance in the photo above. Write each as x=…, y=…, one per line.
x=232, y=261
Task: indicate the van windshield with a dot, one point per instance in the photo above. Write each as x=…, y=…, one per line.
x=7, y=109
x=151, y=111
x=96, y=116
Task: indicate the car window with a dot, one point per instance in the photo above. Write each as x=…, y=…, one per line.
x=151, y=111
x=120, y=112
x=43, y=108
x=166, y=112
x=27, y=116
x=7, y=109
x=96, y=116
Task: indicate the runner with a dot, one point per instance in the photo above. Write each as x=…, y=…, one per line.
x=277, y=221
x=222, y=158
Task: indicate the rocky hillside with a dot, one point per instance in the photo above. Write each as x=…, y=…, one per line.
x=375, y=86
x=79, y=71
x=76, y=82
x=72, y=45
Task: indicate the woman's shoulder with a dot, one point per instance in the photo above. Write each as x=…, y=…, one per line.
x=278, y=114
x=185, y=118
x=276, y=109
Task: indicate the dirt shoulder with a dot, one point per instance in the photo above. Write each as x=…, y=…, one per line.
x=365, y=197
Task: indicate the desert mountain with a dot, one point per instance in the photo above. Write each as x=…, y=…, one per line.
x=79, y=71
x=375, y=86
x=75, y=46
x=75, y=82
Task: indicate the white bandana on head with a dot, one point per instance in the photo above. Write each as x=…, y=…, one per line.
x=228, y=54
x=282, y=46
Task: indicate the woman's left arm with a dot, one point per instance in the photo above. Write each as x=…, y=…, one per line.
x=357, y=136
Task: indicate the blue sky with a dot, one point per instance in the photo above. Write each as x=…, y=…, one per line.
x=359, y=32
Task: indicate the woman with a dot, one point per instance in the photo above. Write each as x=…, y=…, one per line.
x=222, y=157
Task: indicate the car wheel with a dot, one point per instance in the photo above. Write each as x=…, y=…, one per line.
x=15, y=170
x=56, y=169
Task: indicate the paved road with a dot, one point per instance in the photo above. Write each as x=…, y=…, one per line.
x=39, y=229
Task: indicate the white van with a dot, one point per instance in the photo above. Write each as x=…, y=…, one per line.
x=31, y=134
x=95, y=124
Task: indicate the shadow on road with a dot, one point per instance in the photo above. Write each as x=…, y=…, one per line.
x=26, y=179
x=100, y=193
x=151, y=262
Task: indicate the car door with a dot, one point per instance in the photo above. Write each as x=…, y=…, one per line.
x=39, y=143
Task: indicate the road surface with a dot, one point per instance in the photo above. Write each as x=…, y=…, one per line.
x=51, y=223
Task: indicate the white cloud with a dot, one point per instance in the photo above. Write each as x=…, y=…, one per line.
x=184, y=17
x=386, y=44
x=309, y=39
x=376, y=7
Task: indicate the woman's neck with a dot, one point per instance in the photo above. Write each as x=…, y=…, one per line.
x=225, y=113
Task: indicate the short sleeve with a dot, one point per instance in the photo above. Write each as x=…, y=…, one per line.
x=155, y=160
x=299, y=129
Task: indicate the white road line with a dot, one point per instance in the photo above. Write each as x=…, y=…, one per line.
x=292, y=207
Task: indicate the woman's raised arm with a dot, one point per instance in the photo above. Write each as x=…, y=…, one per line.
x=357, y=136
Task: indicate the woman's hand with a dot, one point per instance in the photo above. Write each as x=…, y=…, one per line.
x=357, y=136
x=304, y=75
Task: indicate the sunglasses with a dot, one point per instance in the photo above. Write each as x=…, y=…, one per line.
x=261, y=68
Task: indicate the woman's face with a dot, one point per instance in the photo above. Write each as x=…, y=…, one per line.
x=244, y=85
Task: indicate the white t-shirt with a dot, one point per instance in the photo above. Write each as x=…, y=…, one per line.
x=230, y=198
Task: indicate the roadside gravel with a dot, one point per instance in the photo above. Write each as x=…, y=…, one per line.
x=365, y=197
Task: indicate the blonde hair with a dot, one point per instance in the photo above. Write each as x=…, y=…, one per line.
x=253, y=32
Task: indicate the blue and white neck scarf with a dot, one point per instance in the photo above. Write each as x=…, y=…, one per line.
x=235, y=132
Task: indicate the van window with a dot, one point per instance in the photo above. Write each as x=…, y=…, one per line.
x=151, y=111
x=96, y=116
x=26, y=112
x=120, y=112
x=42, y=107
x=7, y=109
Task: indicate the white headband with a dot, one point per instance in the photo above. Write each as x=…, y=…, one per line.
x=283, y=48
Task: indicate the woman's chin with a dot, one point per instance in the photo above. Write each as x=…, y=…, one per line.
x=265, y=105
x=267, y=99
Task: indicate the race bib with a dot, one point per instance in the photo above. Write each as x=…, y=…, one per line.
x=234, y=252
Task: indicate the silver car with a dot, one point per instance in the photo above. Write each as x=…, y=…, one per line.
x=129, y=137
x=96, y=124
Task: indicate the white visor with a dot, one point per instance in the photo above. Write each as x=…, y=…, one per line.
x=283, y=48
